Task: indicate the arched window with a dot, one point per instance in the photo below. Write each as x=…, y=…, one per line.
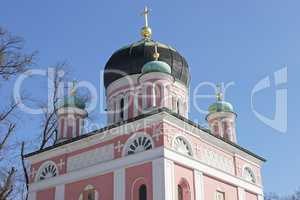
x=249, y=175
x=143, y=192
x=122, y=109
x=180, y=192
x=178, y=106
x=183, y=190
x=89, y=193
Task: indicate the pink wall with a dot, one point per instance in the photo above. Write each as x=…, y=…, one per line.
x=212, y=185
x=47, y=194
x=251, y=196
x=137, y=176
x=103, y=184
x=183, y=174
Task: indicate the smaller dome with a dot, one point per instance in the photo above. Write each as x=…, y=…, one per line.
x=220, y=106
x=156, y=66
x=72, y=101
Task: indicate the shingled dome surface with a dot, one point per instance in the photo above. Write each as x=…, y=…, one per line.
x=130, y=60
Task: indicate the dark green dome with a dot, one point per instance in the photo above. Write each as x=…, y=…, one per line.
x=130, y=60
x=220, y=106
x=72, y=101
x=156, y=66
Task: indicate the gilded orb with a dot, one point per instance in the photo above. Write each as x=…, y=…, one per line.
x=146, y=32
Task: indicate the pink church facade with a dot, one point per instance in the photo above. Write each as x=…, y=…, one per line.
x=149, y=149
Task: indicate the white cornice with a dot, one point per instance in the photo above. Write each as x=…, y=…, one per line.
x=97, y=138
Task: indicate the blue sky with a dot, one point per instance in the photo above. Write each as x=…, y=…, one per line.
x=223, y=41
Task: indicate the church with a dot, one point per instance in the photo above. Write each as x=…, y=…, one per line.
x=149, y=149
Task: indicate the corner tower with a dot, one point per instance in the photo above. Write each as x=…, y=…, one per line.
x=222, y=118
x=71, y=114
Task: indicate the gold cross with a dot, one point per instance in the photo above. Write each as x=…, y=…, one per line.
x=146, y=14
x=73, y=89
x=219, y=94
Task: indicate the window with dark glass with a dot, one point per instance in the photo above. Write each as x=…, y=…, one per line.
x=122, y=109
x=143, y=192
x=180, y=192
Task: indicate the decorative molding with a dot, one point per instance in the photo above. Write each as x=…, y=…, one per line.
x=135, y=145
x=47, y=170
x=119, y=184
x=90, y=158
x=217, y=160
x=97, y=138
x=182, y=145
x=99, y=169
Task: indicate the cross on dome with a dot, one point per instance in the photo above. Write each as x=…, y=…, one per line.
x=146, y=13
x=219, y=94
x=146, y=30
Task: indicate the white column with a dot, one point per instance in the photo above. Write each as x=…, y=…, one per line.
x=241, y=193
x=60, y=192
x=169, y=176
x=126, y=106
x=144, y=97
x=158, y=179
x=31, y=195
x=199, y=186
x=153, y=95
x=135, y=104
x=119, y=184
x=118, y=109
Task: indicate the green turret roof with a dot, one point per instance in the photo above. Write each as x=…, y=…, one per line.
x=220, y=106
x=72, y=101
x=156, y=66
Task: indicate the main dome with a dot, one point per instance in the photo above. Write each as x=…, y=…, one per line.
x=130, y=60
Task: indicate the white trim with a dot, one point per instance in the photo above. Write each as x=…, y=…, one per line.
x=72, y=111
x=211, y=171
x=143, y=157
x=119, y=184
x=60, y=192
x=31, y=195
x=97, y=138
x=199, y=189
x=158, y=179
x=260, y=197
x=99, y=169
x=241, y=193
x=169, y=175
x=245, y=159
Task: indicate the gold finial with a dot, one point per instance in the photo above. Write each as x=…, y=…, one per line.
x=219, y=94
x=146, y=30
x=74, y=87
x=156, y=54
